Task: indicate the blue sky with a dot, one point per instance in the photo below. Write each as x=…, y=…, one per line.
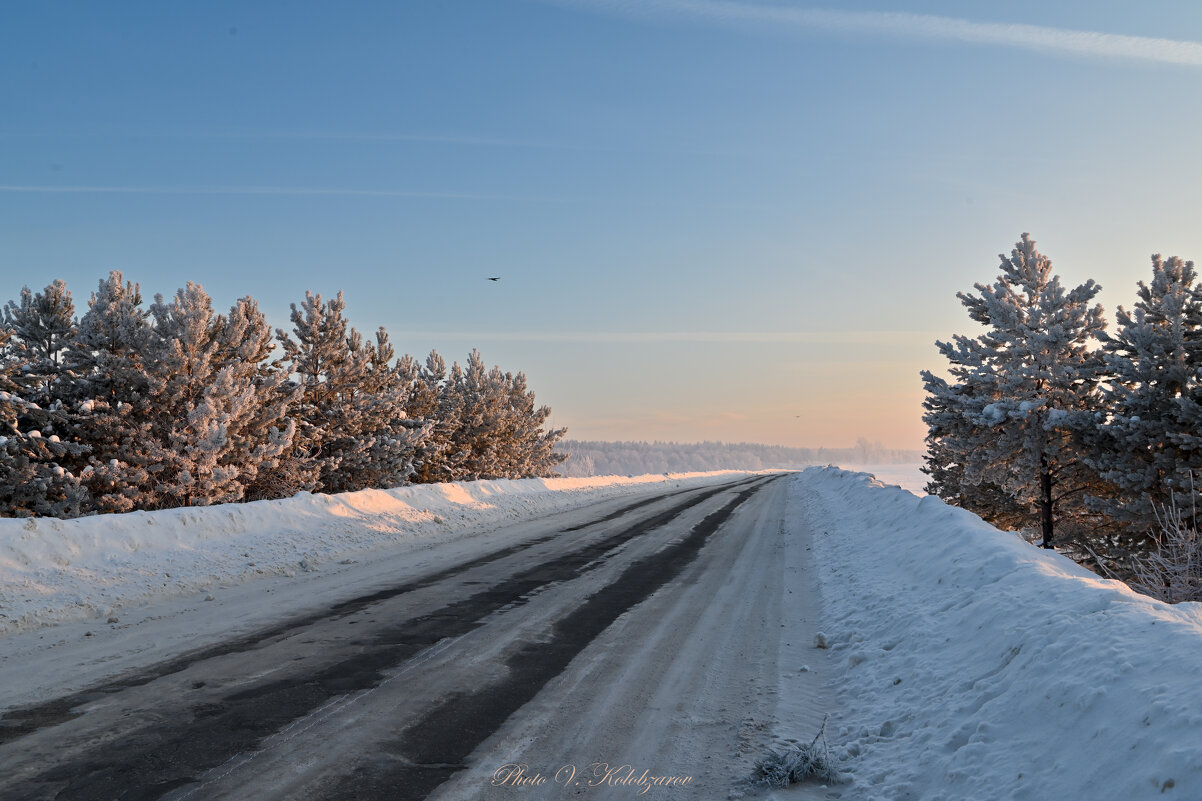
x=713, y=220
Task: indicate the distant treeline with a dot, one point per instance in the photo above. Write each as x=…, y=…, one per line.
x=133, y=407
x=637, y=458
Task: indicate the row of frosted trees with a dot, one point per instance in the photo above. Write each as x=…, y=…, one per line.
x=130, y=406
x=1048, y=422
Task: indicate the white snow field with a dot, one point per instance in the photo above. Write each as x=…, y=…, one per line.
x=972, y=665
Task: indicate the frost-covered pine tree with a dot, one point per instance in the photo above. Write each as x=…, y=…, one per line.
x=44, y=323
x=108, y=352
x=33, y=480
x=263, y=429
x=1151, y=443
x=531, y=451
x=217, y=415
x=499, y=430
x=106, y=387
x=476, y=442
x=948, y=428
x=1006, y=430
x=432, y=399
x=352, y=403
x=380, y=419
x=326, y=371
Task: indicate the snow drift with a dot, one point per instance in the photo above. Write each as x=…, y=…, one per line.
x=976, y=666
x=53, y=570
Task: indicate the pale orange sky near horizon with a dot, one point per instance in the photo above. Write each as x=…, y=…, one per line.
x=799, y=389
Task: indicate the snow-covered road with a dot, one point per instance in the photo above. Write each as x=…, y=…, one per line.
x=640, y=633
x=670, y=628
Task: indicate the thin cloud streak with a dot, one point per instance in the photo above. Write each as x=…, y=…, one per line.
x=286, y=191
x=386, y=136
x=913, y=26
x=299, y=191
x=332, y=136
x=377, y=137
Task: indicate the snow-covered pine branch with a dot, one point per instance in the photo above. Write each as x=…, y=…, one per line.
x=1149, y=445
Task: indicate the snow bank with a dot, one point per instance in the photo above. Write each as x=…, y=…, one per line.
x=53, y=570
x=976, y=666
x=907, y=475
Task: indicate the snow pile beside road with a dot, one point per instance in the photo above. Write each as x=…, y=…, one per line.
x=907, y=475
x=53, y=570
x=976, y=666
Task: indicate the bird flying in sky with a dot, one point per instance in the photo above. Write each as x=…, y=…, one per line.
x=498, y=278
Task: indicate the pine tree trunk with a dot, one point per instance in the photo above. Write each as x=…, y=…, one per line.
x=1045, y=502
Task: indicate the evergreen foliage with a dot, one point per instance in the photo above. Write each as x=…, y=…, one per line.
x=427, y=401
x=394, y=437
x=1005, y=434
x=530, y=450
x=131, y=407
x=1150, y=444
x=216, y=416
x=949, y=428
x=44, y=324
x=32, y=480
x=106, y=387
x=499, y=434
x=351, y=410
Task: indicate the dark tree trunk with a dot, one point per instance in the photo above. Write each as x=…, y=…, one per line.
x=1045, y=502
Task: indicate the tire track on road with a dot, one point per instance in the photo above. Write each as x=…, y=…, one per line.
x=437, y=746
x=21, y=721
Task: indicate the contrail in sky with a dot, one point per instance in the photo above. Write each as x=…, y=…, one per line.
x=1063, y=41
